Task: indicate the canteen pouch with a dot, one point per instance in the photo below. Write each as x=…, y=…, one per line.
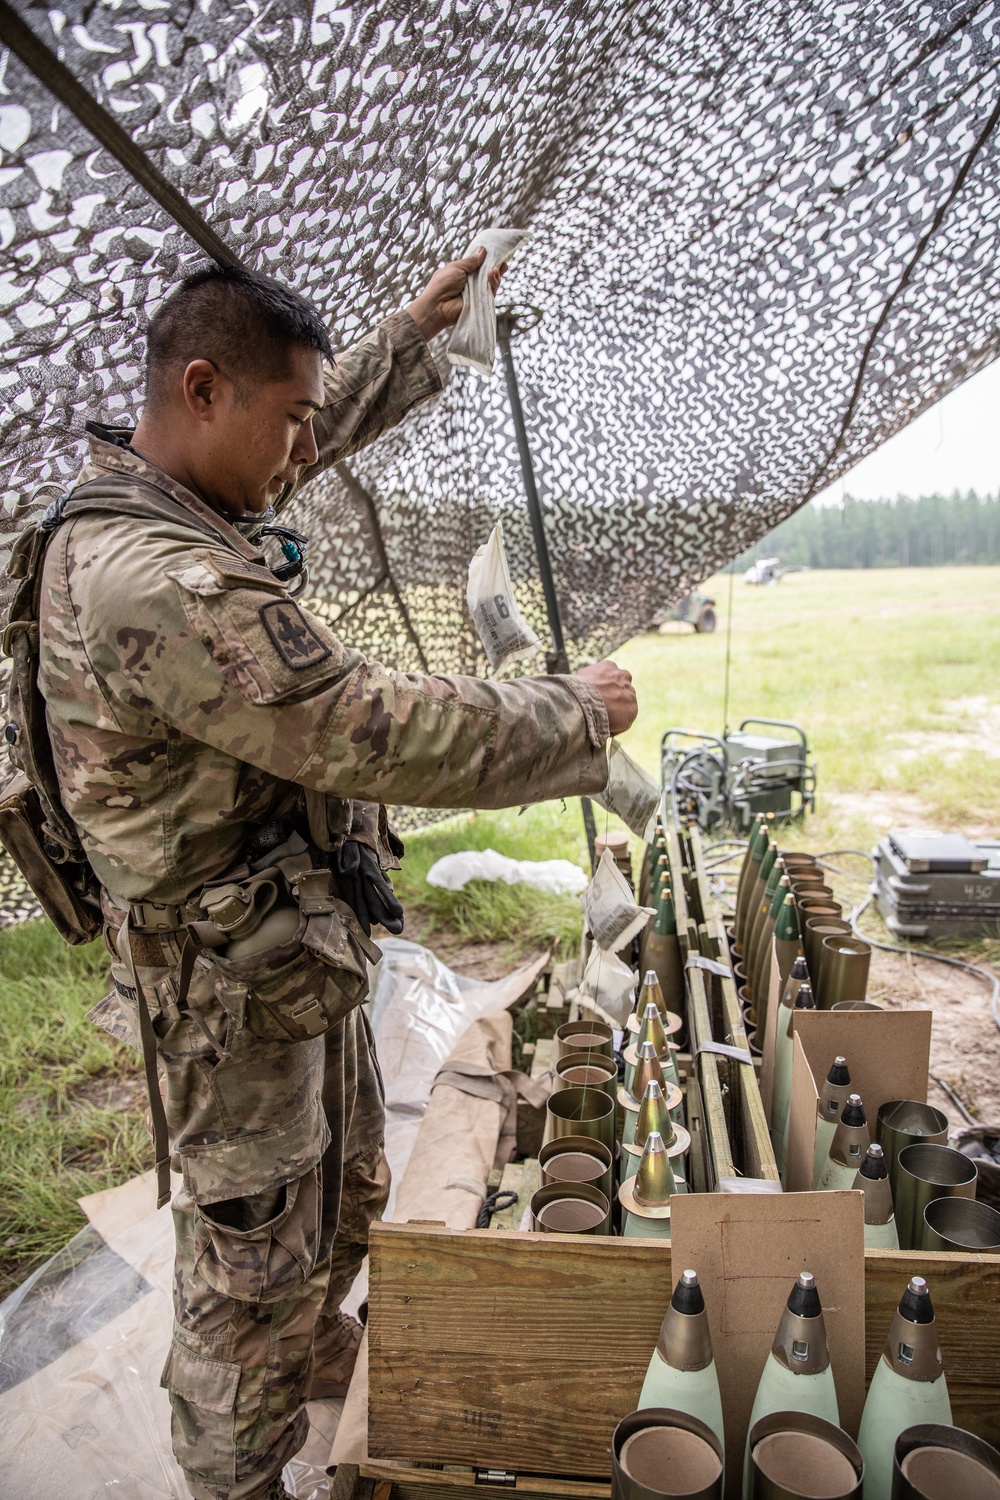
x=66, y=892
x=300, y=988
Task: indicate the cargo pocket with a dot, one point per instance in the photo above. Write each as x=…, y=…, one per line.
x=299, y=989
x=203, y=1398
x=261, y=1262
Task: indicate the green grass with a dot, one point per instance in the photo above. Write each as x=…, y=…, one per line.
x=58, y=1143
x=858, y=658
x=485, y=911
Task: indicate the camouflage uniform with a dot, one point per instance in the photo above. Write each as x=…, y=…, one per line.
x=190, y=701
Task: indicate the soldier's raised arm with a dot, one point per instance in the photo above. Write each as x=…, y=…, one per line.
x=223, y=655
x=371, y=386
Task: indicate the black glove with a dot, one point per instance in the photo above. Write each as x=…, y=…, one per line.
x=365, y=888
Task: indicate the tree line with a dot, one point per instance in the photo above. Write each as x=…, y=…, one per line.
x=902, y=533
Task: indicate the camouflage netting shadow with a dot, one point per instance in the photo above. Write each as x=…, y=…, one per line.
x=764, y=240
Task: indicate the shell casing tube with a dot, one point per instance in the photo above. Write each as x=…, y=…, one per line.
x=658, y=1441
x=585, y=1036
x=924, y=1173
x=961, y=1224
x=815, y=906
x=798, y=1454
x=935, y=1461
x=570, y=1208
x=816, y=928
x=907, y=1122
x=578, y=1158
x=576, y=1111
x=844, y=963
x=586, y=1070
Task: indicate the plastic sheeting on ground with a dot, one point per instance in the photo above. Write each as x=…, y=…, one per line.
x=83, y=1341
x=558, y=877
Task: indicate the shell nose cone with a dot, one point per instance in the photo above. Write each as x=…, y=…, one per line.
x=654, y=1181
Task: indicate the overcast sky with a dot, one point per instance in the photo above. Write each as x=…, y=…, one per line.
x=953, y=446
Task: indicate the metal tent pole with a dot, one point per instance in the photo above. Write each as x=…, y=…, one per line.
x=556, y=660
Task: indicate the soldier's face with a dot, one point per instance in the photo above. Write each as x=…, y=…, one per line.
x=260, y=444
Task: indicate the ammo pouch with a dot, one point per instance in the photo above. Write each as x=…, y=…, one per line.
x=301, y=987
x=66, y=892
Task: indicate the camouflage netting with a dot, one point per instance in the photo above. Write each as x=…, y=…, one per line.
x=765, y=238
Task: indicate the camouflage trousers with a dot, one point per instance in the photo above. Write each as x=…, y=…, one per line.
x=280, y=1145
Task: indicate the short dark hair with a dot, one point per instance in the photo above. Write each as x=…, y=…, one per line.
x=242, y=322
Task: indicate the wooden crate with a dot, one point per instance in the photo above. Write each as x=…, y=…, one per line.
x=520, y=1357
x=506, y=1359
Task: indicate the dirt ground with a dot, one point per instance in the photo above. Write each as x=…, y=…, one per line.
x=965, y=1043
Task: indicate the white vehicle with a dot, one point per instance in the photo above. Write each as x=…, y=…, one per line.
x=765, y=570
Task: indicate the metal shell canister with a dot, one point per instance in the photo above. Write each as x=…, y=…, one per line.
x=660, y=1452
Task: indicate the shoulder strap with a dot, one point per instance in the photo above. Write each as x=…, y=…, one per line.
x=133, y=496
x=26, y=731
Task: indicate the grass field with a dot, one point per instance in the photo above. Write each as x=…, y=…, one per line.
x=892, y=674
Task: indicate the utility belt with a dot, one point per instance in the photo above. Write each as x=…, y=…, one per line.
x=286, y=957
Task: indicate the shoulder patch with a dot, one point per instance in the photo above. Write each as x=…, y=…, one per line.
x=294, y=638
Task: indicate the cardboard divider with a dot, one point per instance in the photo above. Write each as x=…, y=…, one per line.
x=747, y=1251
x=888, y=1053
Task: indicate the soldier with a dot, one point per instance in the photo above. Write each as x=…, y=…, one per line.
x=226, y=760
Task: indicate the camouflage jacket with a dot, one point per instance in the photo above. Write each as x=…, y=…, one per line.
x=188, y=698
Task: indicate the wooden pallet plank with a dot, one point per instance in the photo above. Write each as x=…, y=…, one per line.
x=412, y=1483
x=544, y=1057
x=522, y=1178
x=526, y=1359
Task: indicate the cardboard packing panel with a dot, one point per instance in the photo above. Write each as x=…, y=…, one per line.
x=748, y=1250
x=888, y=1053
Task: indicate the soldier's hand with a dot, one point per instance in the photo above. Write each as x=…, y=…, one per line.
x=440, y=302
x=365, y=887
x=615, y=687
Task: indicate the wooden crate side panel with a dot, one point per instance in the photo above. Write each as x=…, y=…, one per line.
x=522, y=1352
x=508, y=1350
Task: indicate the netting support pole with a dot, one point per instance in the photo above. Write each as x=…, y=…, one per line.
x=556, y=660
